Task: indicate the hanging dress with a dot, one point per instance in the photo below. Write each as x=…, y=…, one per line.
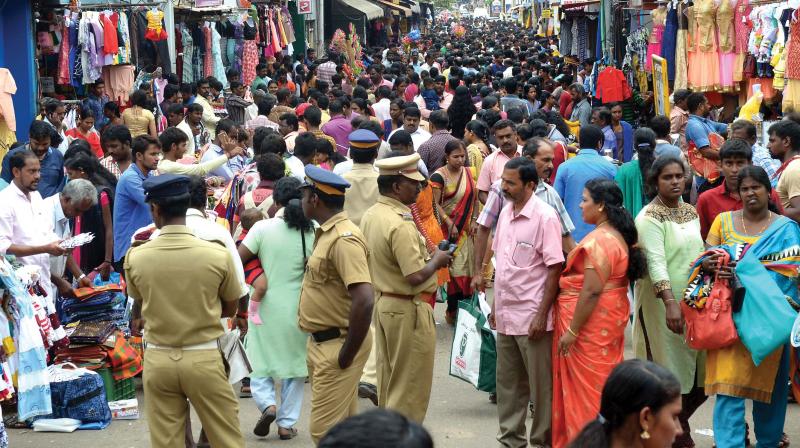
x=703, y=52
x=742, y=27
x=64, y=53
x=208, y=64
x=188, y=56
x=669, y=41
x=659, y=16
x=216, y=53
x=250, y=54
x=791, y=93
x=727, y=45
x=681, y=61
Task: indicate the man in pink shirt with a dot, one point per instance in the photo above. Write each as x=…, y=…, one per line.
x=529, y=257
x=26, y=224
x=505, y=135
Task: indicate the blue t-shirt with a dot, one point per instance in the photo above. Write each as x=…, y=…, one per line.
x=698, y=129
x=131, y=212
x=52, y=178
x=572, y=176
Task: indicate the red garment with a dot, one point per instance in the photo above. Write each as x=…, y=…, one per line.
x=565, y=104
x=717, y=200
x=612, y=86
x=110, y=43
x=208, y=67
x=93, y=138
x=559, y=157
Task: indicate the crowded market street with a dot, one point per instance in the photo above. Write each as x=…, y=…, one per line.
x=400, y=224
x=459, y=417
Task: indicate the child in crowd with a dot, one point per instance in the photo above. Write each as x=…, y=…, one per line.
x=253, y=272
x=429, y=94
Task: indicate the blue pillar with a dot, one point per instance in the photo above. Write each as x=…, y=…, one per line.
x=17, y=55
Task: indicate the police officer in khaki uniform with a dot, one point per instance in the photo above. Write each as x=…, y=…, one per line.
x=335, y=303
x=363, y=194
x=402, y=274
x=181, y=314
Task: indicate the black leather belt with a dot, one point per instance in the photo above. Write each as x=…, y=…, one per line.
x=326, y=335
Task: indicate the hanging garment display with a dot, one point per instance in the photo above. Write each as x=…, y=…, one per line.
x=703, y=54
x=727, y=41
x=659, y=18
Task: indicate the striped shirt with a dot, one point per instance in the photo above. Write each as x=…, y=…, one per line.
x=495, y=201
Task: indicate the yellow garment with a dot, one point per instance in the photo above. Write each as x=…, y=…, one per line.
x=138, y=120
x=725, y=14
x=779, y=64
x=791, y=95
x=7, y=138
x=730, y=370
x=154, y=20
x=475, y=160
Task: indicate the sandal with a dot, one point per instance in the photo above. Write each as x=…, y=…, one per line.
x=287, y=436
x=784, y=443
x=264, y=422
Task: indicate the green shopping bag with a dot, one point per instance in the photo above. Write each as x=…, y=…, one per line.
x=473, y=356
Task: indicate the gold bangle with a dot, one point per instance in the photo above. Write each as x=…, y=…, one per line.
x=569, y=328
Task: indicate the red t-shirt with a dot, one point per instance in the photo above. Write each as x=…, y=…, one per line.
x=93, y=138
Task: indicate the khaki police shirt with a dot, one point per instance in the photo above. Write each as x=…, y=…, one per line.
x=180, y=279
x=396, y=247
x=338, y=261
x=363, y=191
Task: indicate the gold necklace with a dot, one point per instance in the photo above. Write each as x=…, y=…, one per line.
x=744, y=227
x=658, y=196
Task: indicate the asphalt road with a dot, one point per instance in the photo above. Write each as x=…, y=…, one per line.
x=458, y=417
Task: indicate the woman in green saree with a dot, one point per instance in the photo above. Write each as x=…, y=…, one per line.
x=630, y=176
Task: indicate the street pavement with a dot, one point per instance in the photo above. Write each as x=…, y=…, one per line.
x=458, y=416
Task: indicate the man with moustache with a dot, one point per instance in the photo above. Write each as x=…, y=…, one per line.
x=529, y=257
x=541, y=152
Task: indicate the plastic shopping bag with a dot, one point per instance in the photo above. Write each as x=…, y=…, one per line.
x=473, y=357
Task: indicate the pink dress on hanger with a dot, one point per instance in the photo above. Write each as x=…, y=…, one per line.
x=703, y=52
x=273, y=27
x=742, y=27
x=63, y=55
x=250, y=59
x=659, y=16
x=727, y=45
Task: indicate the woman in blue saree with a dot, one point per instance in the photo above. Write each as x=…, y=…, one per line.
x=766, y=250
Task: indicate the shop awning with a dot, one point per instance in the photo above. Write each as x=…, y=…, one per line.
x=400, y=8
x=371, y=10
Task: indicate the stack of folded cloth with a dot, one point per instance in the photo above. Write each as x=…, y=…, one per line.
x=91, y=357
x=92, y=333
x=100, y=303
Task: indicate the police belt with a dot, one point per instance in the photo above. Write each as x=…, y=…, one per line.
x=326, y=335
x=212, y=344
x=397, y=296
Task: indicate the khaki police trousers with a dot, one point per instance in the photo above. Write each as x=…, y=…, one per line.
x=406, y=339
x=334, y=392
x=173, y=375
x=370, y=375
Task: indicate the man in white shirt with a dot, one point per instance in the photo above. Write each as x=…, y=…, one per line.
x=383, y=103
x=411, y=118
x=78, y=196
x=305, y=149
x=193, y=127
x=209, y=119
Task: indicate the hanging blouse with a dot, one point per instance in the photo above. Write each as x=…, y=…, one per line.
x=742, y=24
x=155, y=30
x=725, y=15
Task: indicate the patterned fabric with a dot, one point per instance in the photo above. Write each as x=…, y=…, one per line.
x=249, y=61
x=111, y=165
x=125, y=360
x=188, y=56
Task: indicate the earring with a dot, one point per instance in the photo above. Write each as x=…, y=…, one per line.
x=645, y=435
x=601, y=209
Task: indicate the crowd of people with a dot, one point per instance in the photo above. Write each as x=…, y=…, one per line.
x=322, y=201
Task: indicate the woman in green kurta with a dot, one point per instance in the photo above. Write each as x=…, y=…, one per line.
x=669, y=233
x=630, y=176
x=277, y=348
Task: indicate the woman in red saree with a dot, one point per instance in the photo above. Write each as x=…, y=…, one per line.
x=455, y=196
x=424, y=214
x=592, y=309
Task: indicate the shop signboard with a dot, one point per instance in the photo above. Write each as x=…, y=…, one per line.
x=207, y=3
x=304, y=6
x=497, y=8
x=660, y=85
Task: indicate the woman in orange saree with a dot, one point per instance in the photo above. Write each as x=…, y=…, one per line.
x=428, y=225
x=592, y=310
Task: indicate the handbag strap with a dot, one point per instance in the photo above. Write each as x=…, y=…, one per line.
x=303, y=239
